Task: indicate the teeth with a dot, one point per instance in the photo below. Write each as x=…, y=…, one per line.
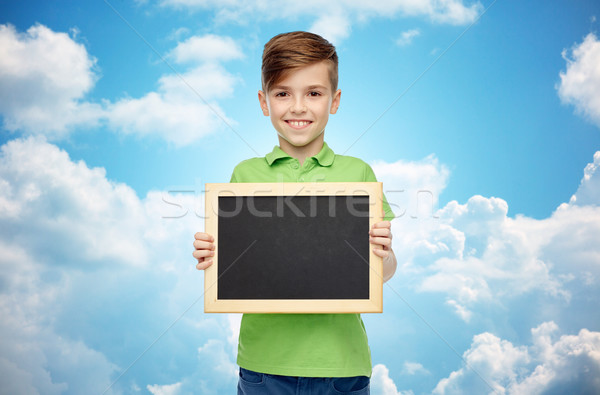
x=298, y=123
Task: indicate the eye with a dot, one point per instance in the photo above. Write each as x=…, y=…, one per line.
x=281, y=94
x=314, y=93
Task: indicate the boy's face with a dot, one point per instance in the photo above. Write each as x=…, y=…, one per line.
x=299, y=106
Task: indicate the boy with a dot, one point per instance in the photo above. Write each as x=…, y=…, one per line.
x=303, y=353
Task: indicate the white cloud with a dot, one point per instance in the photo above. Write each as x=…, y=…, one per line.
x=179, y=33
x=344, y=13
x=44, y=75
x=221, y=361
x=234, y=321
x=169, y=389
x=493, y=258
x=492, y=366
x=460, y=310
x=382, y=384
x=64, y=219
x=208, y=81
x=569, y=364
x=580, y=83
x=84, y=261
x=486, y=266
x=588, y=192
x=34, y=358
x=215, y=372
x=454, y=12
x=413, y=368
x=412, y=188
x=407, y=37
x=333, y=27
x=568, y=242
x=51, y=198
x=475, y=254
x=208, y=48
x=183, y=109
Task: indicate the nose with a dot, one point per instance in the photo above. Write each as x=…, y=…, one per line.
x=298, y=106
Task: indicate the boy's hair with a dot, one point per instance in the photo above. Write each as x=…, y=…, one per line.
x=288, y=51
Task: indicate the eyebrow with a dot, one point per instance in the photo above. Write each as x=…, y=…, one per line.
x=310, y=87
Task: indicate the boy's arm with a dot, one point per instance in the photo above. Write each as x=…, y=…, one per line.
x=381, y=235
x=389, y=266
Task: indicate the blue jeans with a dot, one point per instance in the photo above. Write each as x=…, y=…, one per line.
x=253, y=383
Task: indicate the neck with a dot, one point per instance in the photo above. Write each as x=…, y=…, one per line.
x=301, y=153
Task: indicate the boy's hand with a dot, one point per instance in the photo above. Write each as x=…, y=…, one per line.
x=381, y=234
x=204, y=250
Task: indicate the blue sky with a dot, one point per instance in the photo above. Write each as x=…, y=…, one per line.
x=491, y=106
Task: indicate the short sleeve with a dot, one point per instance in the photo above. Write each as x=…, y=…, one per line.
x=369, y=176
x=235, y=174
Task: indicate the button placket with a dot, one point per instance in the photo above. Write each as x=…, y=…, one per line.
x=304, y=171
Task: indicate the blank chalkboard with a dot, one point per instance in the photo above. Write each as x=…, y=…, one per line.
x=296, y=248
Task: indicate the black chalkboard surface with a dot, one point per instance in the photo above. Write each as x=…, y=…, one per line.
x=296, y=248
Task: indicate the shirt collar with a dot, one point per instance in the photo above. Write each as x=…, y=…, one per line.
x=277, y=153
x=325, y=157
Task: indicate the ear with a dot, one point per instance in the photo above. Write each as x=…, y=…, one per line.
x=335, y=103
x=262, y=99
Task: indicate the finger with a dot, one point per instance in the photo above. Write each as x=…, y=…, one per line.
x=382, y=224
x=203, y=245
x=381, y=232
x=382, y=241
x=203, y=253
x=381, y=253
x=202, y=265
x=203, y=236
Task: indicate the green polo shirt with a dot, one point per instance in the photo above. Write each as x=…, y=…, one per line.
x=307, y=345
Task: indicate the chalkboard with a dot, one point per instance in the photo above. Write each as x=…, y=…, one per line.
x=293, y=248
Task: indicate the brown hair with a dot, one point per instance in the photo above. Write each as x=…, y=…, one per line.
x=288, y=51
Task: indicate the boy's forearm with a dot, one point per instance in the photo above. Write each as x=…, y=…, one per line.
x=389, y=266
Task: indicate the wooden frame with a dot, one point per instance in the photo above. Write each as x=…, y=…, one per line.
x=213, y=303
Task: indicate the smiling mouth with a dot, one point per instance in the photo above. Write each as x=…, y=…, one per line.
x=298, y=124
